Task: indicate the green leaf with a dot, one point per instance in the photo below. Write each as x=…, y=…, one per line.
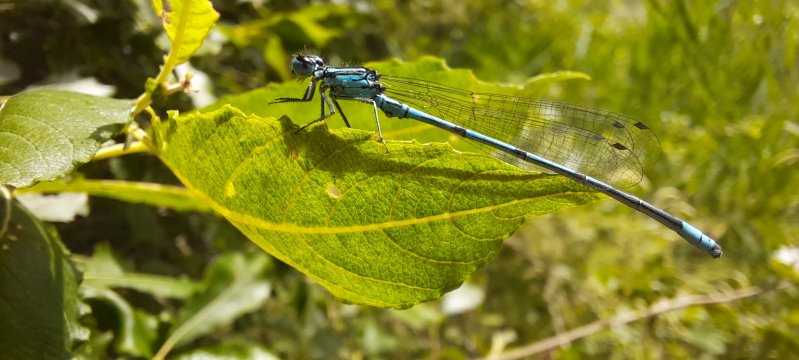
x=103, y=270
x=135, y=331
x=229, y=351
x=47, y=133
x=310, y=20
x=160, y=195
x=276, y=56
x=38, y=288
x=316, y=24
x=386, y=229
x=234, y=284
x=98, y=343
x=186, y=22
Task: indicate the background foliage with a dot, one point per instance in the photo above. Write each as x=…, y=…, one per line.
x=718, y=81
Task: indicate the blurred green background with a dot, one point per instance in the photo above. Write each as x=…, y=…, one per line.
x=718, y=81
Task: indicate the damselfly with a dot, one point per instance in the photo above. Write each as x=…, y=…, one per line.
x=593, y=147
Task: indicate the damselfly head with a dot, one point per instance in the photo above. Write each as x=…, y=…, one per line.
x=305, y=65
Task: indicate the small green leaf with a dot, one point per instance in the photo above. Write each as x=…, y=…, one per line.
x=103, y=270
x=234, y=284
x=135, y=331
x=150, y=85
x=38, y=289
x=186, y=22
x=316, y=25
x=386, y=229
x=167, y=196
x=228, y=351
x=310, y=21
x=275, y=55
x=45, y=134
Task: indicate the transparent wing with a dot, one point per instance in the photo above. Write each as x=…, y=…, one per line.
x=607, y=146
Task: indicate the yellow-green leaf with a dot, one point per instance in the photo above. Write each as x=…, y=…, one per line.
x=186, y=22
x=385, y=229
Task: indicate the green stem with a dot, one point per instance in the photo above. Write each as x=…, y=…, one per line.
x=169, y=63
x=118, y=150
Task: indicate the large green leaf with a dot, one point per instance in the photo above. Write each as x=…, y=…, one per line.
x=38, y=288
x=386, y=229
x=45, y=134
